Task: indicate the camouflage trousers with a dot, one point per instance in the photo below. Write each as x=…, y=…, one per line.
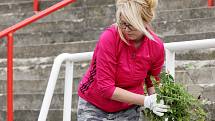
x=88, y=112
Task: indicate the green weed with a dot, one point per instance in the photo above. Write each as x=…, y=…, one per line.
x=183, y=106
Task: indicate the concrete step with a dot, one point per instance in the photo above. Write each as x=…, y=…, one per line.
x=72, y=13
x=108, y=11
x=27, y=88
x=34, y=78
x=163, y=4
x=40, y=61
x=77, y=13
x=32, y=115
x=180, y=14
x=196, y=76
x=188, y=37
x=210, y=109
x=36, y=86
x=50, y=50
x=195, y=72
x=196, y=54
x=12, y=1
x=185, y=26
x=88, y=46
x=67, y=13
x=16, y=7
x=76, y=25
x=40, y=72
x=197, y=81
x=182, y=32
x=57, y=114
x=29, y=61
x=85, y=26
x=165, y=28
x=193, y=64
x=26, y=6
x=34, y=101
x=205, y=91
x=52, y=26
x=180, y=4
x=13, y=18
x=39, y=38
x=93, y=23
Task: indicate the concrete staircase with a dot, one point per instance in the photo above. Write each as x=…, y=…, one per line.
x=76, y=28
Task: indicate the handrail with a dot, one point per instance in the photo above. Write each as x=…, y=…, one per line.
x=188, y=45
x=68, y=83
x=36, y=6
x=10, y=77
x=9, y=33
x=210, y=3
x=170, y=49
x=35, y=17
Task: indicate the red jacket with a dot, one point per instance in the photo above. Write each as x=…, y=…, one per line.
x=117, y=64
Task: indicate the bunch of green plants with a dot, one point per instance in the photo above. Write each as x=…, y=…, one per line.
x=183, y=106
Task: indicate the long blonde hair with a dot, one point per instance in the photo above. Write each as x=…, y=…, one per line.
x=139, y=13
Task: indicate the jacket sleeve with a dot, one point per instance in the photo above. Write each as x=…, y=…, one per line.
x=157, y=65
x=106, y=64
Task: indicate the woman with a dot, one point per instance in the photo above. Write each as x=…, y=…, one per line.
x=125, y=57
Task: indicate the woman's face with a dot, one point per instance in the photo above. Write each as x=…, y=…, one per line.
x=129, y=31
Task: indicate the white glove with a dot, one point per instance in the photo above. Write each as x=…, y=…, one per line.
x=157, y=108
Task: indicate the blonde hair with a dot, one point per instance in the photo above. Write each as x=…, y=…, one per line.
x=139, y=13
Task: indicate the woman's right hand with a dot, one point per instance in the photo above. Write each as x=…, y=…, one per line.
x=157, y=108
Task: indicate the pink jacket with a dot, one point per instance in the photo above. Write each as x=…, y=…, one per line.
x=117, y=64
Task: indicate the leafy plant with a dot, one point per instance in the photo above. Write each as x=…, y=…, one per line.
x=183, y=106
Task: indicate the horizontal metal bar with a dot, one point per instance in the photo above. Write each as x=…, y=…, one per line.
x=53, y=78
x=188, y=45
x=35, y=17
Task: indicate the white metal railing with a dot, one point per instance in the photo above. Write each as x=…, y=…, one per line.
x=70, y=59
x=170, y=49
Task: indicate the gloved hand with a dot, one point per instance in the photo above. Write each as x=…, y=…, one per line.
x=157, y=108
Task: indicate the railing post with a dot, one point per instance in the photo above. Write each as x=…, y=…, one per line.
x=170, y=62
x=210, y=3
x=36, y=6
x=49, y=90
x=68, y=91
x=10, y=77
